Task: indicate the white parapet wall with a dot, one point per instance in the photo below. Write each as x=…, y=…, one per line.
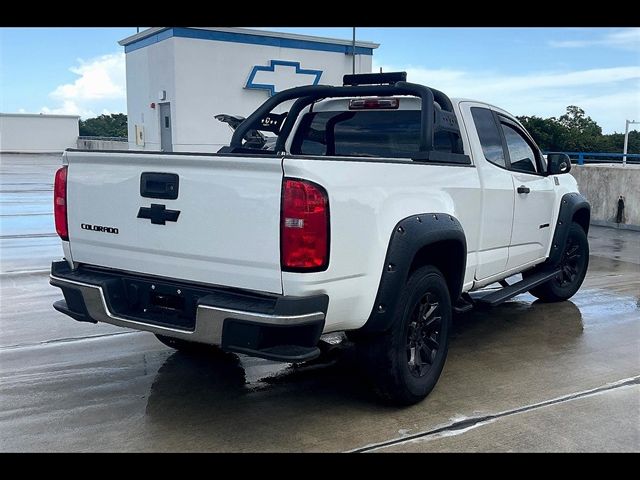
x=102, y=143
x=33, y=133
x=603, y=185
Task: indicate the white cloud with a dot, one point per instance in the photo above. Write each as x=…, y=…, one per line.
x=628, y=38
x=69, y=107
x=100, y=80
x=495, y=82
x=609, y=95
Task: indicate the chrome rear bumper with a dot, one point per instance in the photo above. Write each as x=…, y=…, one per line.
x=233, y=329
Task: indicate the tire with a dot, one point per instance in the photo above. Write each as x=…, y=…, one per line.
x=186, y=346
x=574, y=263
x=405, y=362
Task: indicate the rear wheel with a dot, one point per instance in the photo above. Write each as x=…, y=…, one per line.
x=573, y=264
x=405, y=362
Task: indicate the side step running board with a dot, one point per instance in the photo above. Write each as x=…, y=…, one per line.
x=280, y=353
x=464, y=304
x=496, y=298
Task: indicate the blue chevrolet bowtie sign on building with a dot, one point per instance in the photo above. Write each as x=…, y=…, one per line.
x=280, y=75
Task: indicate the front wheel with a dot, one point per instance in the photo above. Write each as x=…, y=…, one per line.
x=573, y=268
x=405, y=362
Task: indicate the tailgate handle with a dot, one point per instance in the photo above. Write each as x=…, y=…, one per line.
x=159, y=185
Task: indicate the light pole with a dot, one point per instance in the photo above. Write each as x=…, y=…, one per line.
x=626, y=141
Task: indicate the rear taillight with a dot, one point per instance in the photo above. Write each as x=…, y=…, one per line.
x=304, y=226
x=60, y=203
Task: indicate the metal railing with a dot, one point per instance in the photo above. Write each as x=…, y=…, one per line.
x=582, y=158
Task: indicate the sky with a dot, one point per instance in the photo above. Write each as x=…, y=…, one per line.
x=526, y=71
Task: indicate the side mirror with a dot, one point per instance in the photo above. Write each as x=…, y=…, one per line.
x=558, y=163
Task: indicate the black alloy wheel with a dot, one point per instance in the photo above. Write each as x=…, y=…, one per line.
x=423, y=335
x=573, y=265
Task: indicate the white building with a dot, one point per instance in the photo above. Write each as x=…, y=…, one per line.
x=179, y=78
x=37, y=133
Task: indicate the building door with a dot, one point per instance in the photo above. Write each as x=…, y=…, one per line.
x=165, y=127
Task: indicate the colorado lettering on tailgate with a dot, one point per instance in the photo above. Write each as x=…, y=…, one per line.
x=99, y=228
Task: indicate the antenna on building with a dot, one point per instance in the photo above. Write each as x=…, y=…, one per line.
x=353, y=60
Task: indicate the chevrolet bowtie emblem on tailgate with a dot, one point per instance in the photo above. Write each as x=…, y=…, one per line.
x=158, y=214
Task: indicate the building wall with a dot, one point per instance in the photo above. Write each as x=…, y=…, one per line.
x=602, y=185
x=149, y=70
x=29, y=133
x=215, y=85
x=203, y=78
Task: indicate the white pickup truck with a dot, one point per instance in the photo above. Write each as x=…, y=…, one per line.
x=380, y=207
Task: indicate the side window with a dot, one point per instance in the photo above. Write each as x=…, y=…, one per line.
x=489, y=136
x=522, y=156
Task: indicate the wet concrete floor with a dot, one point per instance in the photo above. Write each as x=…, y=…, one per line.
x=524, y=376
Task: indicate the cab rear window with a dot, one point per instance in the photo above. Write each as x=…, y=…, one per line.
x=390, y=134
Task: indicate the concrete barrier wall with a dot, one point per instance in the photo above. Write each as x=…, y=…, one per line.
x=97, y=144
x=602, y=185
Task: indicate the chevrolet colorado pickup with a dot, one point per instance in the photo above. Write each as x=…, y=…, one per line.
x=380, y=207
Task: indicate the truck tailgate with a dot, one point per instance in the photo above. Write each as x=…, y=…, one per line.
x=227, y=232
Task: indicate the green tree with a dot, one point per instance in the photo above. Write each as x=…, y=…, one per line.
x=548, y=133
x=575, y=131
x=583, y=133
x=575, y=119
x=114, y=125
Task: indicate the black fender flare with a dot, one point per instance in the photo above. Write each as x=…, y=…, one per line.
x=570, y=204
x=410, y=236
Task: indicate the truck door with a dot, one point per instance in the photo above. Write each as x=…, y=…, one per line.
x=497, y=190
x=534, y=197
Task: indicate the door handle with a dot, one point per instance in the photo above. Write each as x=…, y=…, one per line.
x=523, y=189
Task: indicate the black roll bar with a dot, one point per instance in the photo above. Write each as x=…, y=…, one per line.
x=290, y=121
x=311, y=93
